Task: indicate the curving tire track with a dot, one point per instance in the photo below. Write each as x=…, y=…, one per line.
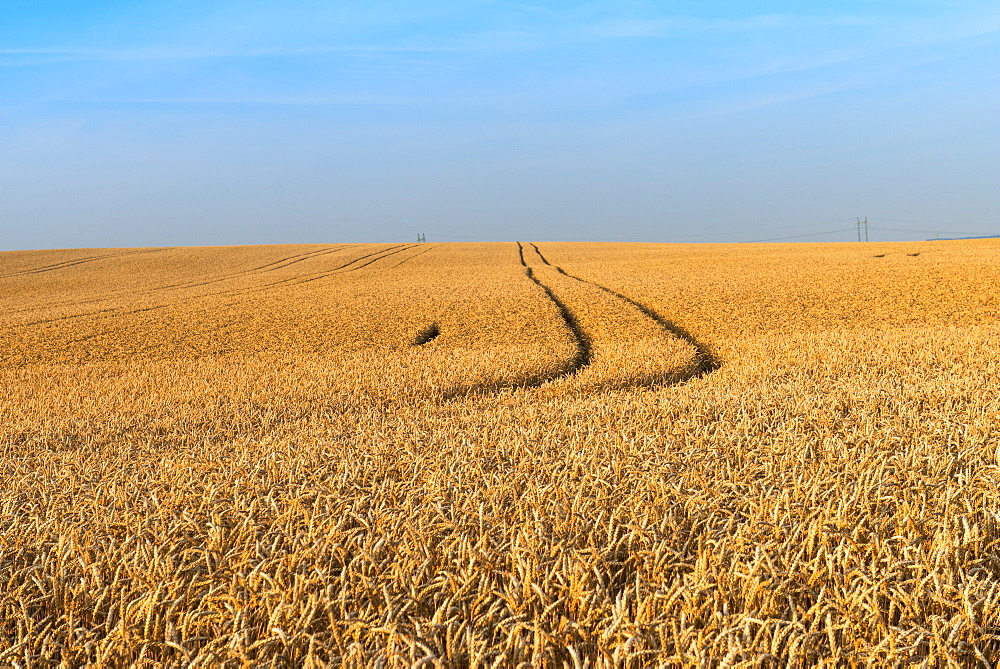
x=584, y=346
x=581, y=358
x=705, y=361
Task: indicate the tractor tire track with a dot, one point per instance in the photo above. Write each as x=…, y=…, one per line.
x=584, y=346
x=354, y=269
x=55, y=266
x=291, y=260
x=382, y=253
x=373, y=253
x=284, y=283
x=302, y=278
x=78, y=261
x=414, y=256
x=706, y=363
x=582, y=356
x=269, y=267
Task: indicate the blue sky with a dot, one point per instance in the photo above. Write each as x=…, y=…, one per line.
x=183, y=123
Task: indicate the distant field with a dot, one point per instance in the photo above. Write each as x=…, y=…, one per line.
x=523, y=454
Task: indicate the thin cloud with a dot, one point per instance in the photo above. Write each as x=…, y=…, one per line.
x=671, y=26
x=348, y=100
x=531, y=9
x=16, y=52
x=155, y=54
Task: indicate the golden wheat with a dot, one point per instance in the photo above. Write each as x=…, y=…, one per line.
x=501, y=455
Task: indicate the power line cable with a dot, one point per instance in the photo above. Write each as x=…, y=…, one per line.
x=815, y=234
x=932, y=232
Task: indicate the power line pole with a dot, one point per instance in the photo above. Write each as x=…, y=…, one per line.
x=858, y=222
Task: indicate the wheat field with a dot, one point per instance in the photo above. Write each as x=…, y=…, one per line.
x=501, y=455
